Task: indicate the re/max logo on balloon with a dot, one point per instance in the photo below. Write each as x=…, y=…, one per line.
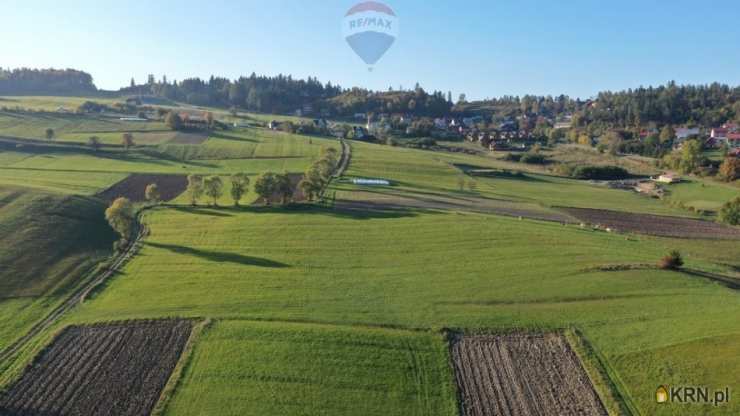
x=370, y=28
x=369, y=22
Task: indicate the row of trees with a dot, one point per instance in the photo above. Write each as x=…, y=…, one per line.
x=318, y=175
x=266, y=185
x=127, y=140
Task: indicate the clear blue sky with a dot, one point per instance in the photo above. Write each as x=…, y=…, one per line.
x=481, y=48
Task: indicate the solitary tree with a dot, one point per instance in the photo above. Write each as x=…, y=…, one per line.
x=152, y=193
x=309, y=188
x=94, y=143
x=461, y=182
x=690, y=156
x=49, y=134
x=239, y=186
x=667, y=133
x=213, y=187
x=283, y=187
x=195, y=188
x=472, y=185
x=120, y=216
x=264, y=185
x=173, y=121
x=127, y=140
x=729, y=170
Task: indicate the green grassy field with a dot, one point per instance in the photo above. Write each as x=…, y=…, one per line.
x=258, y=368
x=73, y=127
x=79, y=170
x=325, y=311
x=702, y=194
x=423, y=271
x=432, y=173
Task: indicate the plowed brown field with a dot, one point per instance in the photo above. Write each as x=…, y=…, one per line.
x=522, y=374
x=658, y=225
x=107, y=369
x=134, y=187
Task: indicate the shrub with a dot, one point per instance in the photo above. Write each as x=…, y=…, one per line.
x=513, y=157
x=533, y=158
x=120, y=245
x=672, y=261
x=729, y=170
x=564, y=169
x=730, y=212
x=424, y=143
x=600, y=172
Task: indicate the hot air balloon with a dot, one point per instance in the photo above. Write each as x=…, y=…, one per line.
x=370, y=28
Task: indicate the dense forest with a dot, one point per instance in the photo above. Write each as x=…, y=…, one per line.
x=283, y=94
x=701, y=105
x=279, y=94
x=25, y=81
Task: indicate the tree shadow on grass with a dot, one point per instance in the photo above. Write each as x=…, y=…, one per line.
x=210, y=212
x=231, y=137
x=356, y=213
x=220, y=257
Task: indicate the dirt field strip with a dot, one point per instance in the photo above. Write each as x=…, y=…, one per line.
x=134, y=187
x=522, y=374
x=194, y=138
x=344, y=159
x=177, y=373
x=102, y=369
x=658, y=225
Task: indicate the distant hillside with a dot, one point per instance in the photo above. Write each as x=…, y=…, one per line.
x=25, y=81
x=417, y=102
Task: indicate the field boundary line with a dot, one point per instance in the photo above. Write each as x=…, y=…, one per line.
x=181, y=367
x=616, y=387
x=78, y=295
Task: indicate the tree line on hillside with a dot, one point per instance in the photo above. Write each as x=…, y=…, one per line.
x=279, y=94
x=670, y=104
x=283, y=94
x=511, y=107
x=415, y=102
x=25, y=81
